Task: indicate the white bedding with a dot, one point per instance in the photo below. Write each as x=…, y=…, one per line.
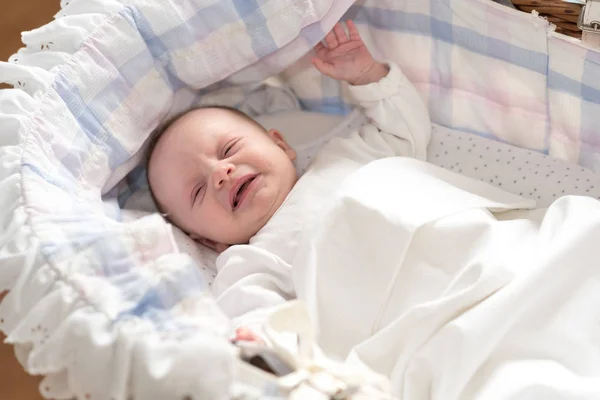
x=519, y=171
x=448, y=301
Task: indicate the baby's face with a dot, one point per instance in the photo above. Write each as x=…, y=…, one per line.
x=220, y=177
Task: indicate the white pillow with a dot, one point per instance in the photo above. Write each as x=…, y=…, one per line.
x=307, y=132
x=301, y=128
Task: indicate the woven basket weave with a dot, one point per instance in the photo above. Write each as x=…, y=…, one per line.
x=562, y=14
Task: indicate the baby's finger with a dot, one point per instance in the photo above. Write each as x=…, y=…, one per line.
x=331, y=41
x=244, y=334
x=323, y=67
x=320, y=50
x=320, y=46
x=340, y=33
x=354, y=35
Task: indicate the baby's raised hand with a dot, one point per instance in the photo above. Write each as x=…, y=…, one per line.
x=347, y=58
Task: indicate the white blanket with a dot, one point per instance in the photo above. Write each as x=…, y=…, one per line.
x=416, y=273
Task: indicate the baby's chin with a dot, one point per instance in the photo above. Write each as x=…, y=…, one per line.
x=263, y=216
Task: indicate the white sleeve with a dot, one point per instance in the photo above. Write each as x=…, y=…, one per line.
x=251, y=281
x=395, y=108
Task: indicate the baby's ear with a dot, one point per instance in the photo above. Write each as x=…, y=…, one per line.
x=279, y=140
x=211, y=244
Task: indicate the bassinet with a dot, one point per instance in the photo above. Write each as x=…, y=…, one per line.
x=107, y=308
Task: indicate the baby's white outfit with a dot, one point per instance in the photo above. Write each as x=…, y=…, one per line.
x=255, y=277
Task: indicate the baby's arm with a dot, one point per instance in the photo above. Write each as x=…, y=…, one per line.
x=388, y=99
x=251, y=282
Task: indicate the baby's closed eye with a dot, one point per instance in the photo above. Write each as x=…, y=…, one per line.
x=229, y=147
x=227, y=150
x=196, y=191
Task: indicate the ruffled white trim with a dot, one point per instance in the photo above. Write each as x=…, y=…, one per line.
x=49, y=46
x=70, y=323
x=69, y=326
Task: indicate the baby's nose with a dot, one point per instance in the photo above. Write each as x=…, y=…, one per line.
x=222, y=174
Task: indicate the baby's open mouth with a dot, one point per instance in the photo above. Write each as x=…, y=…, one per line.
x=240, y=190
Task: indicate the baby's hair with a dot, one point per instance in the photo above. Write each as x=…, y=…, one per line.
x=159, y=132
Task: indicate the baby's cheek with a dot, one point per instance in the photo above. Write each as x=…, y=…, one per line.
x=222, y=222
